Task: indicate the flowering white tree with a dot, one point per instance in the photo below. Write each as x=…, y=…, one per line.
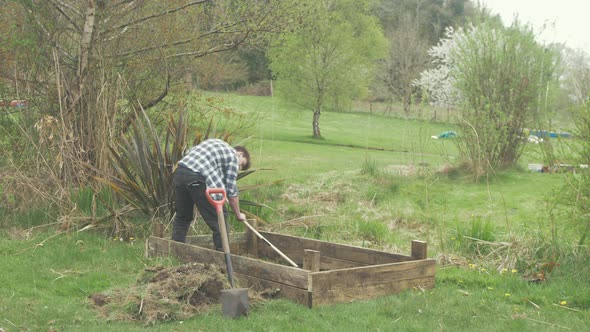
x=577, y=75
x=494, y=76
x=437, y=83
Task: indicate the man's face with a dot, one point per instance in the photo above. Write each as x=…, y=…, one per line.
x=242, y=161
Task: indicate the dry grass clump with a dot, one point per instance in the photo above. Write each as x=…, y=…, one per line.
x=531, y=258
x=330, y=189
x=163, y=294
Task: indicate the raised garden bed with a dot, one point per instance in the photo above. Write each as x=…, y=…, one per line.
x=328, y=272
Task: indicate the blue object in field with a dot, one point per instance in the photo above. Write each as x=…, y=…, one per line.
x=551, y=134
x=540, y=133
x=447, y=134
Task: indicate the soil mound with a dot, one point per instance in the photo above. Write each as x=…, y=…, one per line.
x=164, y=293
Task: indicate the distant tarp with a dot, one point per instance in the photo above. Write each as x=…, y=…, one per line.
x=546, y=133
x=445, y=134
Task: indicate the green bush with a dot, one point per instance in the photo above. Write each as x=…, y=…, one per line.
x=571, y=202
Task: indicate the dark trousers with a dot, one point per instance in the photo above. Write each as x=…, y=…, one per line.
x=190, y=190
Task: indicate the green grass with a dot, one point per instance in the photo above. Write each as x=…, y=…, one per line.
x=351, y=188
x=280, y=122
x=46, y=279
x=45, y=287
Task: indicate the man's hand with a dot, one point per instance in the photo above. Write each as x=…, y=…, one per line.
x=234, y=202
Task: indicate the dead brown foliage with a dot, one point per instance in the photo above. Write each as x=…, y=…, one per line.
x=166, y=293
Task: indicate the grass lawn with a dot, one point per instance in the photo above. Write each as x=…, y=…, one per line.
x=374, y=181
x=45, y=288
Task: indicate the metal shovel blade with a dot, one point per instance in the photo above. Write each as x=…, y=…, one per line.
x=234, y=302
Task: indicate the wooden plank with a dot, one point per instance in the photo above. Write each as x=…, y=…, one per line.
x=288, y=243
x=298, y=295
x=248, y=266
x=326, y=263
x=183, y=252
x=360, y=293
x=207, y=239
x=237, y=242
x=157, y=229
x=311, y=260
x=252, y=239
x=419, y=249
x=371, y=275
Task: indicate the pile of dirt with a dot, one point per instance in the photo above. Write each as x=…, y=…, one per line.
x=164, y=293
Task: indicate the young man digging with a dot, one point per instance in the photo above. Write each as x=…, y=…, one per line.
x=215, y=164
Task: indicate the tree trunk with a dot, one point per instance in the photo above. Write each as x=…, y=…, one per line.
x=85, y=42
x=406, y=101
x=316, y=123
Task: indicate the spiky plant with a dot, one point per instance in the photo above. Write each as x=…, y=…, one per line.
x=143, y=163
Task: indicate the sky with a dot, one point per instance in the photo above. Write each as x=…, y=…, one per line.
x=565, y=21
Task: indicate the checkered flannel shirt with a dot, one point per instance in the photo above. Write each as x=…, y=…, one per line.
x=217, y=161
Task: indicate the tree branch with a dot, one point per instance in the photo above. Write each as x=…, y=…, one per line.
x=162, y=95
x=166, y=12
x=217, y=30
x=61, y=11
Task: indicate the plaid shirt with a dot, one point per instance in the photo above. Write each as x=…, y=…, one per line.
x=217, y=161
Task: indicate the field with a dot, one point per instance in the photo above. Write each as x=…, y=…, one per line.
x=504, y=261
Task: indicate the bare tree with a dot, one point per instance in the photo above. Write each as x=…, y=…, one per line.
x=94, y=61
x=408, y=57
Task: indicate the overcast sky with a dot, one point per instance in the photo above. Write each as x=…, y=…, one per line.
x=565, y=21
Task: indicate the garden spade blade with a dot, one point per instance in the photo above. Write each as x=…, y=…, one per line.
x=234, y=301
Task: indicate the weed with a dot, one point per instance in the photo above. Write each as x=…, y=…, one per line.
x=372, y=231
x=369, y=167
x=316, y=231
x=470, y=239
x=392, y=187
x=92, y=203
x=31, y=218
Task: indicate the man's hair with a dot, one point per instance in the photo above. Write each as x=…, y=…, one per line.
x=246, y=155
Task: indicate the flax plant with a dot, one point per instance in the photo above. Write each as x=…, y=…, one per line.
x=143, y=163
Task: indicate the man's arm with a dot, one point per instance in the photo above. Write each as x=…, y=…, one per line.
x=234, y=202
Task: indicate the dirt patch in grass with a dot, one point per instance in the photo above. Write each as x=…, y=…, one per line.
x=166, y=293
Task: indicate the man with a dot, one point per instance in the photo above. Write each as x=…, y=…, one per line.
x=213, y=163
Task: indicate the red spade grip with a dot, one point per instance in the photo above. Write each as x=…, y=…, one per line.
x=218, y=203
